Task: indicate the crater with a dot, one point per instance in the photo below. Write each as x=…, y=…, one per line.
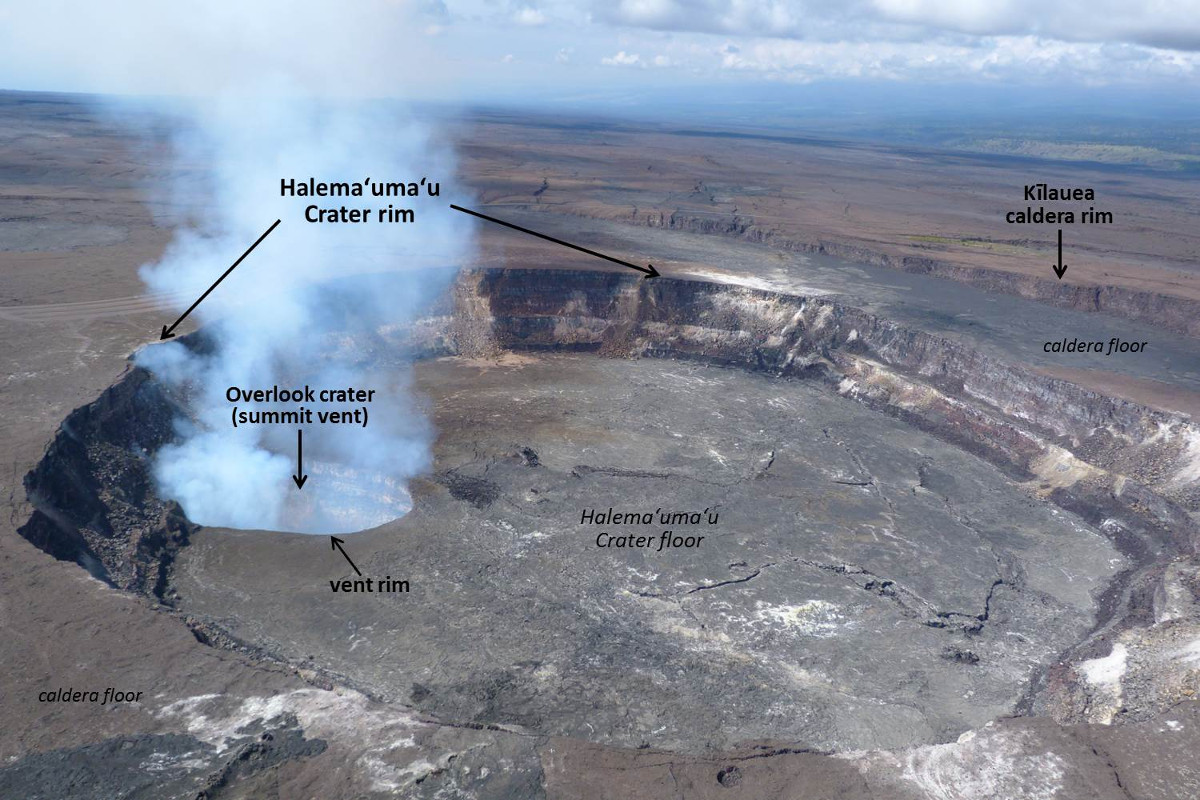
x=888, y=565
x=345, y=500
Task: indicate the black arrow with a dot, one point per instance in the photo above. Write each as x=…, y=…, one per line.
x=1060, y=269
x=337, y=545
x=299, y=477
x=167, y=331
x=649, y=271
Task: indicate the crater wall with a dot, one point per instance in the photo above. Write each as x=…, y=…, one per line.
x=1124, y=468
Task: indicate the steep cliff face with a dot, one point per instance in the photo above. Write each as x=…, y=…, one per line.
x=1172, y=313
x=1130, y=471
x=1060, y=437
x=93, y=496
x=1013, y=415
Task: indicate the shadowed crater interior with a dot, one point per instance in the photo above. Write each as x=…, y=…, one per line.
x=871, y=570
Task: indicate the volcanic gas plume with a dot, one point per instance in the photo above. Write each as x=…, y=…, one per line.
x=298, y=312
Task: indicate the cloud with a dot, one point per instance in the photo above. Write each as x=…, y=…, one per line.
x=529, y=16
x=759, y=17
x=1031, y=58
x=623, y=59
x=1097, y=42
x=1164, y=24
x=450, y=48
x=1157, y=23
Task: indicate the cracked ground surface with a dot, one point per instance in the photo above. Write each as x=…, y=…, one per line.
x=865, y=586
x=74, y=309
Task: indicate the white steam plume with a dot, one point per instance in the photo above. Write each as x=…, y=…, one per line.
x=298, y=310
x=272, y=90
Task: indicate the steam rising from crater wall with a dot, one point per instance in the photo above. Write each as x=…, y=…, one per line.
x=284, y=315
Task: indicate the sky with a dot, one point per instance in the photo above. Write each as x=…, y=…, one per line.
x=571, y=50
x=802, y=41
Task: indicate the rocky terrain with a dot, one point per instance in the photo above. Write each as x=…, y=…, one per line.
x=905, y=208
x=939, y=567
x=947, y=581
